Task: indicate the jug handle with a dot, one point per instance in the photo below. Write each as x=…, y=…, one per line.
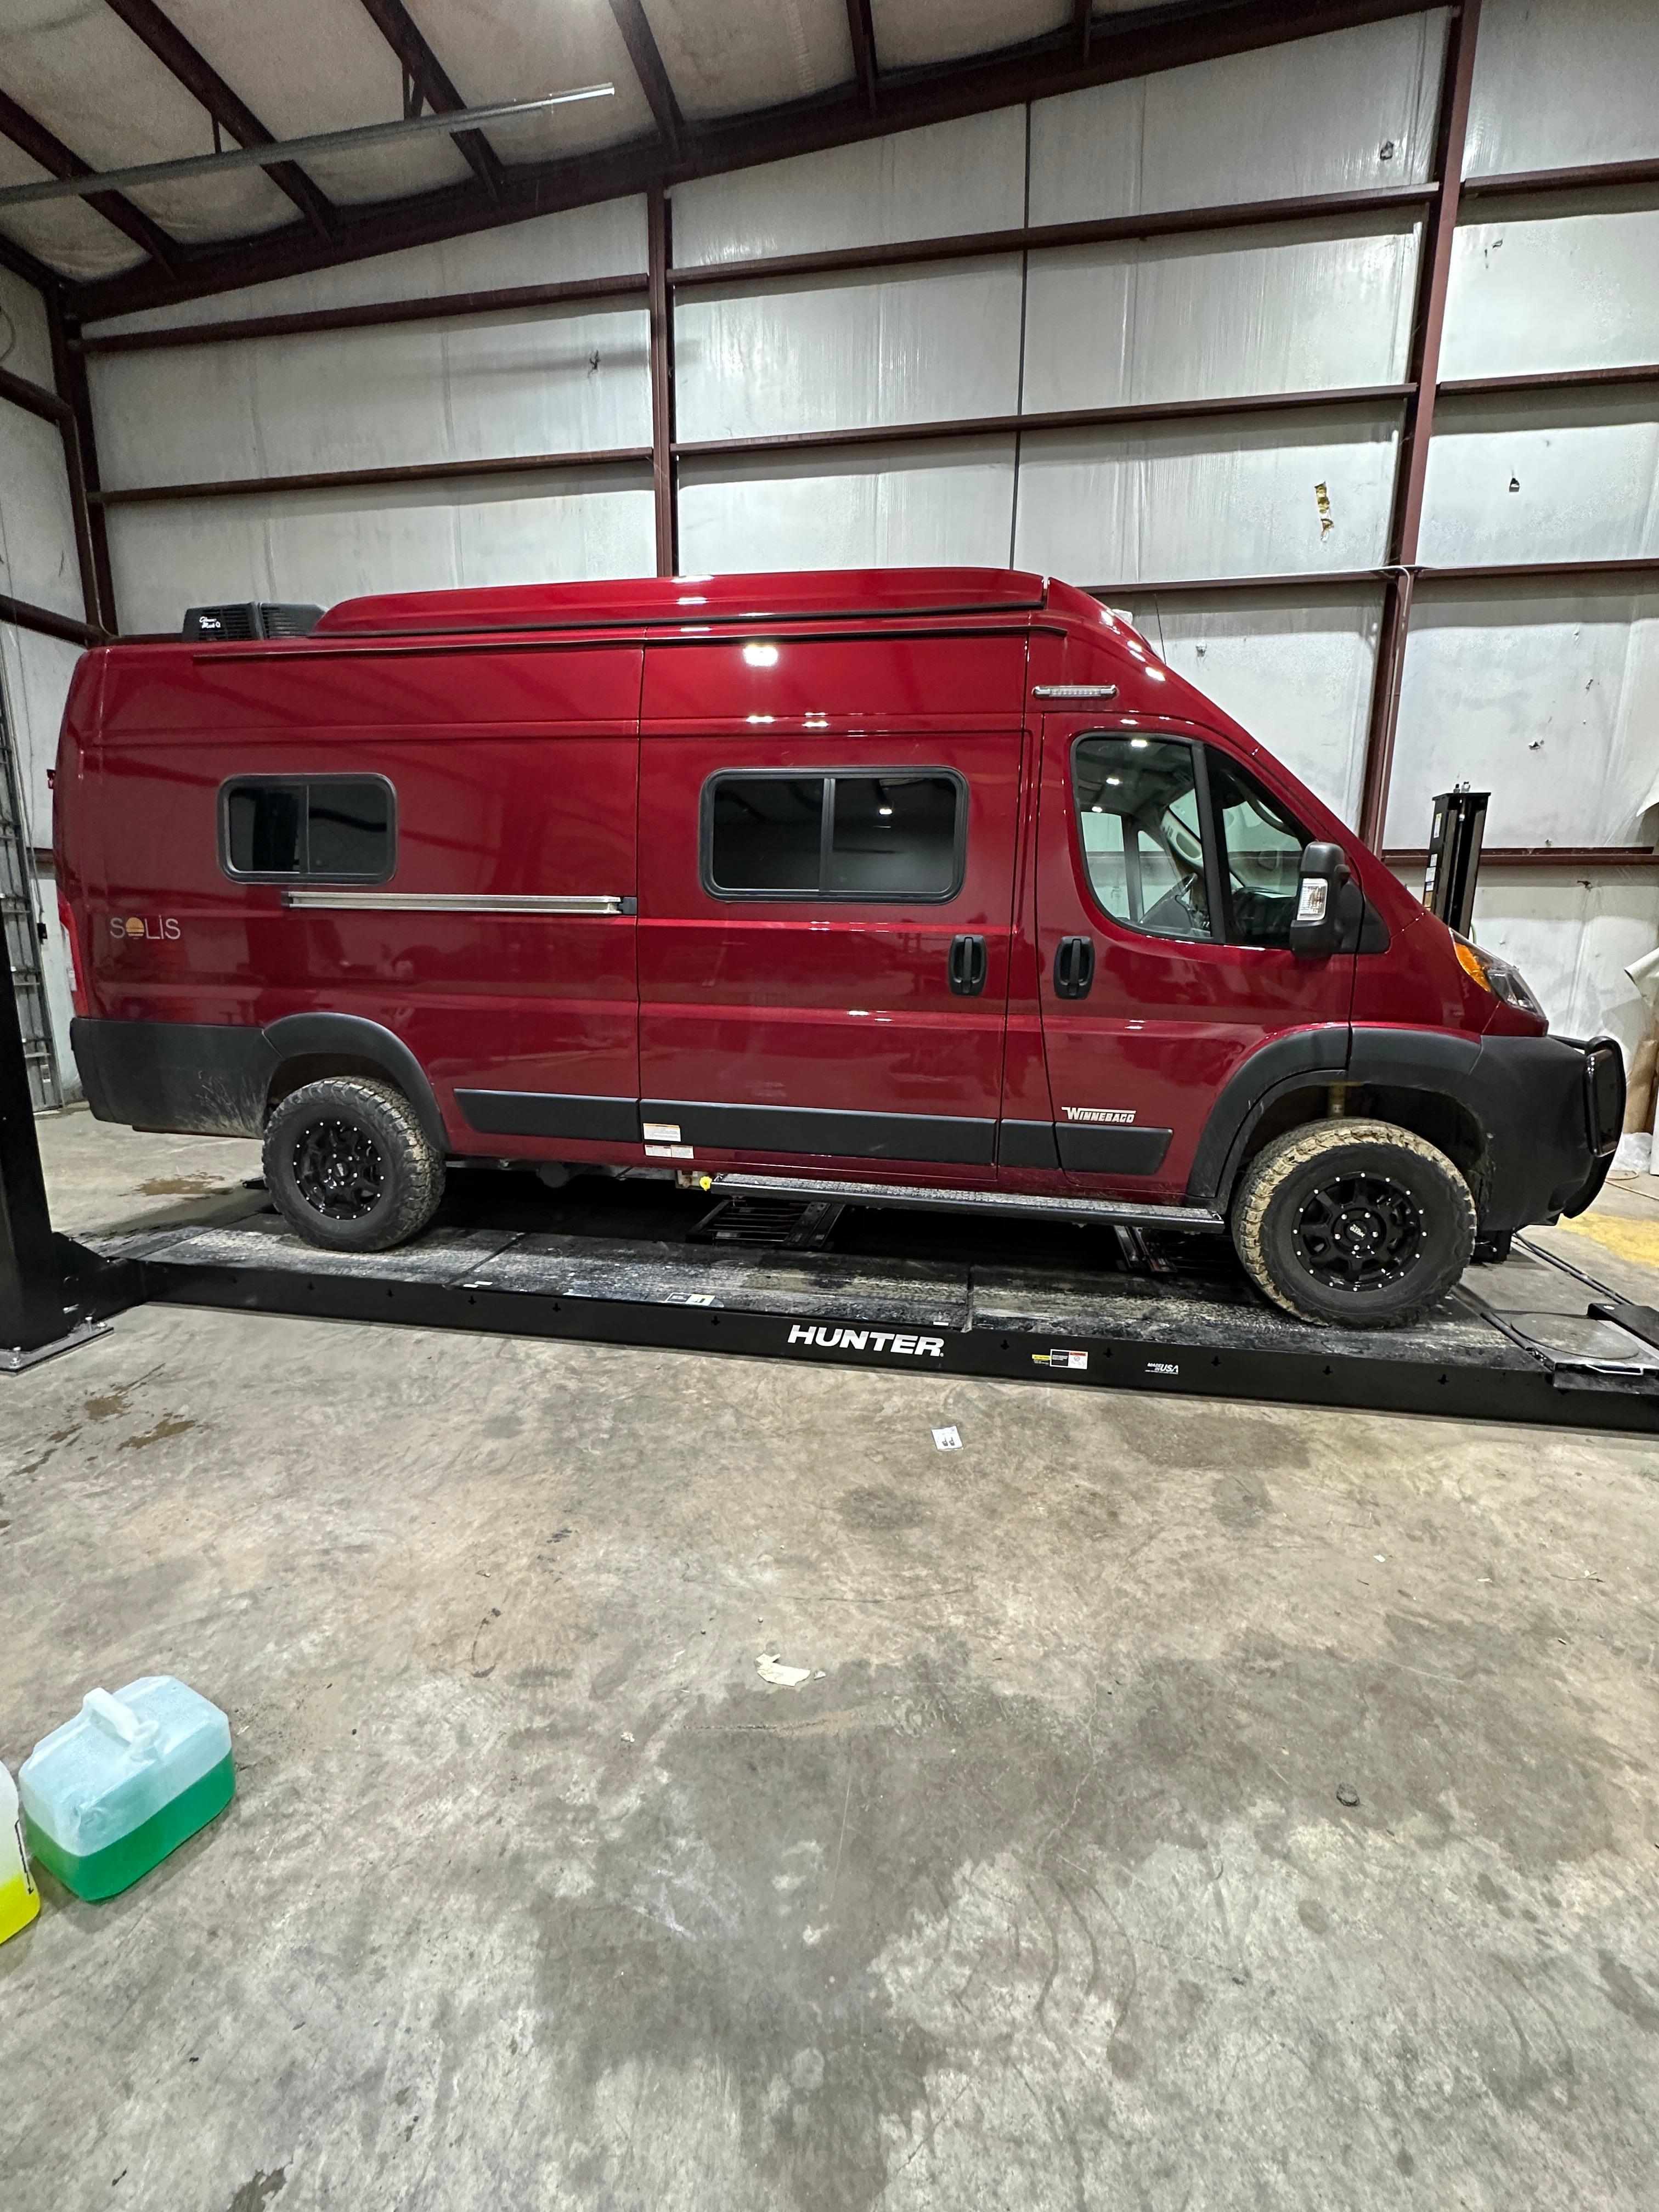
x=116, y=1719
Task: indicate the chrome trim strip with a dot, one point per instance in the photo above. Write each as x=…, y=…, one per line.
x=1074, y=691
x=456, y=902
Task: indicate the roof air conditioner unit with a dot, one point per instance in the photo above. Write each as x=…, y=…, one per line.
x=251, y=619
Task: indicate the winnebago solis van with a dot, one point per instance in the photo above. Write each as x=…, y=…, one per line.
x=925, y=882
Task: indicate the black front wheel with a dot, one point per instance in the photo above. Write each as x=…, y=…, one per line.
x=1359, y=1223
x=349, y=1166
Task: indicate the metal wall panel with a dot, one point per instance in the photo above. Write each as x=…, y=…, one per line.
x=325, y=546
x=1561, y=82
x=605, y=241
x=37, y=523
x=923, y=505
x=552, y=381
x=1296, y=674
x=25, y=338
x=36, y=672
x=1207, y=499
x=1346, y=110
x=1572, y=938
x=1204, y=317
x=841, y=352
x=1545, y=695
x=1533, y=294
x=952, y=177
x=1567, y=477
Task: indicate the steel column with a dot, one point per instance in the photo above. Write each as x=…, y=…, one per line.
x=659, y=252
x=69, y=370
x=1434, y=270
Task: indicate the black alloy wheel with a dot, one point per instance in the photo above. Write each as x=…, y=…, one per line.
x=338, y=1169
x=1359, y=1233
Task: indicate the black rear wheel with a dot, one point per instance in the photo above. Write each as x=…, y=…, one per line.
x=1359, y=1223
x=349, y=1166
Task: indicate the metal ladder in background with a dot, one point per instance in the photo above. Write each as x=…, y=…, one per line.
x=23, y=930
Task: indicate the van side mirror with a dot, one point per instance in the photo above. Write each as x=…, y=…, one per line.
x=1322, y=917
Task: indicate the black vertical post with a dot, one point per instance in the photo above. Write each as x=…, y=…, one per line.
x=32, y=1302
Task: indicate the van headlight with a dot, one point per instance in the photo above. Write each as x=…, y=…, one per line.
x=1503, y=979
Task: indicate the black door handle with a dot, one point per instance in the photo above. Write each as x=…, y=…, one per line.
x=967, y=966
x=1074, y=967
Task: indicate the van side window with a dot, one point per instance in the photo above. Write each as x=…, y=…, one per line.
x=332, y=826
x=1143, y=840
x=859, y=834
x=1261, y=852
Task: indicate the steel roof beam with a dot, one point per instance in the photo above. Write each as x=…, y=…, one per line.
x=644, y=53
x=203, y=81
x=43, y=146
x=865, y=69
x=433, y=84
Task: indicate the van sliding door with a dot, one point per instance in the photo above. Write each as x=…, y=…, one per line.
x=827, y=830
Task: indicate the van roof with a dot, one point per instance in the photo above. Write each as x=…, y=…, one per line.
x=686, y=601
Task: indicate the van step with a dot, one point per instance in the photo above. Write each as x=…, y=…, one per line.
x=770, y=1224
x=1111, y=1211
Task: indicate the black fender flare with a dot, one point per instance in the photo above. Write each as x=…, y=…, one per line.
x=1287, y=1063
x=354, y=1036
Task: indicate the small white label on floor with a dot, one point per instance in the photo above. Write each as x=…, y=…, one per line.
x=948, y=1439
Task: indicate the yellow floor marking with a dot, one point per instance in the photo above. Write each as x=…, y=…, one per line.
x=1631, y=1240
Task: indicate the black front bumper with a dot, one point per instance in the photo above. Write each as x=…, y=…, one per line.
x=1551, y=1109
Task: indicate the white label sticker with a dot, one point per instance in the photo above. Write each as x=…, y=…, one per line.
x=702, y=1298
x=668, y=1151
x=948, y=1439
x=1068, y=1359
x=662, y=1133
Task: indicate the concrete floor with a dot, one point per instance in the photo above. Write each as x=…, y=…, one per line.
x=1039, y=1893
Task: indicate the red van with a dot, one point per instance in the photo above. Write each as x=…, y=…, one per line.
x=930, y=881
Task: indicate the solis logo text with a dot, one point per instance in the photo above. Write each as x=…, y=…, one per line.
x=160, y=929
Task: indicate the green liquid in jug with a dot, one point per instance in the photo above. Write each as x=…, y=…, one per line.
x=119, y=1865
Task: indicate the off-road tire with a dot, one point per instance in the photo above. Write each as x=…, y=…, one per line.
x=346, y=1117
x=1297, y=1187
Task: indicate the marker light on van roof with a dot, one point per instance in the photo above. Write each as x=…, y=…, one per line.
x=761, y=656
